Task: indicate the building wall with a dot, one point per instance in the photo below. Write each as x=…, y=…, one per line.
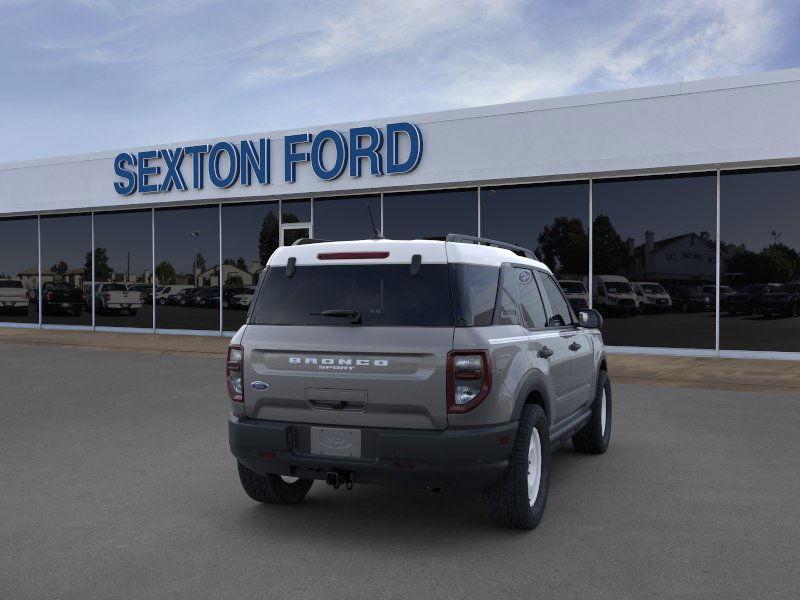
x=582, y=180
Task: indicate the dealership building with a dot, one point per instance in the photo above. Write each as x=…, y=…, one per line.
x=674, y=210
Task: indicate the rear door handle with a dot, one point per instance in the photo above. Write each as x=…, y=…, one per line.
x=545, y=352
x=574, y=346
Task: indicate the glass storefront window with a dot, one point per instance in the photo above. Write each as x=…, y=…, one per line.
x=550, y=219
x=249, y=237
x=654, y=260
x=346, y=218
x=67, y=269
x=123, y=265
x=760, y=260
x=430, y=214
x=187, y=268
x=296, y=211
x=19, y=270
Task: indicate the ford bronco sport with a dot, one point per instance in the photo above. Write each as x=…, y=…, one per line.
x=451, y=364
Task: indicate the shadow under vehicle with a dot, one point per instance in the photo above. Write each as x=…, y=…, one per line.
x=576, y=293
x=783, y=302
x=61, y=298
x=690, y=299
x=13, y=296
x=747, y=301
x=651, y=297
x=614, y=296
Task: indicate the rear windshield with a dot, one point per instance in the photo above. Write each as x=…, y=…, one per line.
x=114, y=287
x=383, y=295
x=10, y=284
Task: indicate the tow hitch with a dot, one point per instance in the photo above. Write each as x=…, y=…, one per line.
x=338, y=478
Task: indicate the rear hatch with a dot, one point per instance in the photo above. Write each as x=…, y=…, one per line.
x=351, y=338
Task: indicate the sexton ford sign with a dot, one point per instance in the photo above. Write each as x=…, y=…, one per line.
x=330, y=153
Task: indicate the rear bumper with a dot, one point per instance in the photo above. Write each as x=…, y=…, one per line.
x=465, y=460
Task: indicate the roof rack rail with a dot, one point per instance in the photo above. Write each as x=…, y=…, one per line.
x=471, y=239
x=304, y=241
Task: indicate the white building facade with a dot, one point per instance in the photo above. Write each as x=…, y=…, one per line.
x=602, y=184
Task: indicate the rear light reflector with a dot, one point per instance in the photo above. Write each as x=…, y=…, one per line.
x=234, y=373
x=469, y=379
x=351, y=255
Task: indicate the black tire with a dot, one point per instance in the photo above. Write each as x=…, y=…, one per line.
x=508, y=500
x=594, y=437
x=271, y=489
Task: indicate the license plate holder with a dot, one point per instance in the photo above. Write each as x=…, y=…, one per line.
x=331, y=441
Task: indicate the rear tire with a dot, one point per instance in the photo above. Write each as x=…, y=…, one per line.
x=518, y=500
x=272, y=489
x=596, y=434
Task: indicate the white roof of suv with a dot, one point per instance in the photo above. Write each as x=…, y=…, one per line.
x=397, y=251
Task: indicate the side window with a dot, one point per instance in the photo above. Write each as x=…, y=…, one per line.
x=530, y=300
x=562, y=315
x=507, y=303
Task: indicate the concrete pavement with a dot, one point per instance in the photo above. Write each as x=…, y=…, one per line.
x=117, y=483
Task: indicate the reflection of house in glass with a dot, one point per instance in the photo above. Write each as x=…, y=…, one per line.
x=231, y=276
x=683, y=258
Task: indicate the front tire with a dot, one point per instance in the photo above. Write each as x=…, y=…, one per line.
x=273, y=489
x=518, y=500
x=596, y=434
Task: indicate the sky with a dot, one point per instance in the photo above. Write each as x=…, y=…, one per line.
x=88, y=75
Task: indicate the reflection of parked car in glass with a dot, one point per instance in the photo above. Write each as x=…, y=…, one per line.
x=724, y=292
x=181, y=297
x=613, y=294
x=243, y=301
x=575, y=292
x=229, y=292
x=207, y=297
x=690, y=299
x=13, y=296
x=61, y=297
x=145, y=289
x=115, y=298
x=651, y=297
x=747, y=301
x=784, y=301
x=163, y=294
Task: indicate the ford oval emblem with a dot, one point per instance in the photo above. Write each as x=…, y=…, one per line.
x=259, y=385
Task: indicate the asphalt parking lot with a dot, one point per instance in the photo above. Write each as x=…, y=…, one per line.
x=117, y=483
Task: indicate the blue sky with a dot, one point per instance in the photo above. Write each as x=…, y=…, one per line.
x=86, y=75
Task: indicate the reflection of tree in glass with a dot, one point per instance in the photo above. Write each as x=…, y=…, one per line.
x=268, y=236
x=610, y=252
x=564, y=246
x=234, y=280
x=60, y=268
x=165, y=273
x=200, y=262
x=777, y=263
x=102, y=270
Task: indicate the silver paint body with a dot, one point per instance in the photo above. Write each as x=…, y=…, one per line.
x=395, y=377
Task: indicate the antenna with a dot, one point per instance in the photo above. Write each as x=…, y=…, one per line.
x=376, y=235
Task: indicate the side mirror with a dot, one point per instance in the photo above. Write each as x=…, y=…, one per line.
x=590, y=319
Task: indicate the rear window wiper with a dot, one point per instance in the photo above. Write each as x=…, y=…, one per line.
x=353, y=315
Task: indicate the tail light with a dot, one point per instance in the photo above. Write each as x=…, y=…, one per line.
x=469, y=379
x=106, y=296
x=234, y=372
x=49, y=296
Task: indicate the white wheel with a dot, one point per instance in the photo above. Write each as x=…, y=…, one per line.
x=534, y=467
x=603, y=414
x=289, y=479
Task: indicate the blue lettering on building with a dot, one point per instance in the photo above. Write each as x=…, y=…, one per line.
x=329, y=154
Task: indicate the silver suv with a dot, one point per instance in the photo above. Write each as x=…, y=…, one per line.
x=451, y=364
